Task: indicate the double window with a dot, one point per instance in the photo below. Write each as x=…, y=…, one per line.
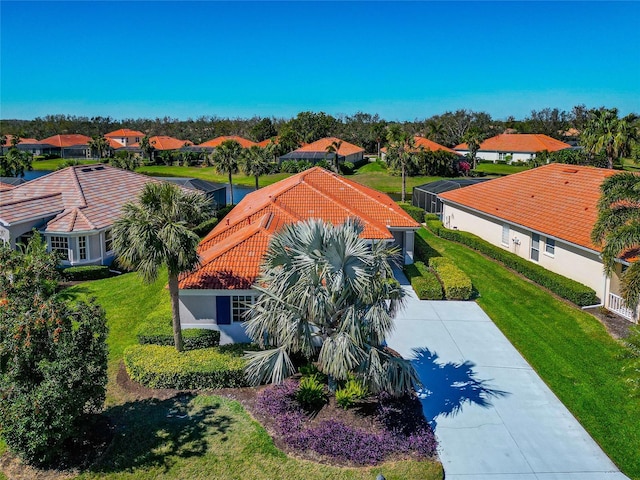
x=60, y=245
x=240, y=305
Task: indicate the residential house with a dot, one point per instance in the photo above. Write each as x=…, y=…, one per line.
x=424, y=143
x=545, y=215
x=318, y=150
x=123, y=137
x=164, y=142
x=220, y=290
x=217, y=192
x=67, y=146
x=514, y=147
x=30, y=145
x=73, y=208
x=215, y=142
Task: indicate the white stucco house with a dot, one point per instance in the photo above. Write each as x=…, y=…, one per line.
x=124, y=137
x=219, y=292
x=514, y=147
x=545, y=215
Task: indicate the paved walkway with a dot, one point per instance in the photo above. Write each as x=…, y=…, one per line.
x=494, y=418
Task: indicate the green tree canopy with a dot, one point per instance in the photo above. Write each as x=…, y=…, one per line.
x=256, y=161
x=605, y=133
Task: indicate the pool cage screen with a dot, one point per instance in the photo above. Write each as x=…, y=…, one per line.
x=426, y=196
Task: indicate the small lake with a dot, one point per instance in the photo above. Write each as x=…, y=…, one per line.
x=239, y=191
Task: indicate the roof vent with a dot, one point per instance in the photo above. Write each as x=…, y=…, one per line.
x=99, y=168
x=86, y=169
x=569, y=170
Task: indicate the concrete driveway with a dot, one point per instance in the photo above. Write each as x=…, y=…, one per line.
x=492, y=414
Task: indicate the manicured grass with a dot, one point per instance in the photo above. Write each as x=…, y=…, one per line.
x=569, y=349
x=209, y=173
x=54, y=163
x=500, y=169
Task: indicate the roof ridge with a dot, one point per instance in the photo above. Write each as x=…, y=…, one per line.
x=231, y=241
x=29, y=199
x=77, y=184
x=81, y=213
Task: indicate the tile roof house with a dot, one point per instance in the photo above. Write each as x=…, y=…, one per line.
x=73, y=208
x=215, y=142
x=215, y=294
x=164, y=142
x=514, y=147
x=545, y=215
x=424, y=143
x=67, y=146
x=317, y=150
x=123, y=137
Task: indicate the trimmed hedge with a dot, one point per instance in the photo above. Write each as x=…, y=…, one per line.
x=86, y=272
x=456, y=284
x=416, y=213
x=424, y=282
x=564, y=287
x=158, y=330
x=156, y=366
x=205, y=227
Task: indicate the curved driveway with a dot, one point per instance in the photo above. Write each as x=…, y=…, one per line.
x=494, y=418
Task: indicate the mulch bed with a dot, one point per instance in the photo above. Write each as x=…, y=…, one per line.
x=617, y=326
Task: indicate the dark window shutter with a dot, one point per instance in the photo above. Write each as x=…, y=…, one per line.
x=223, y=310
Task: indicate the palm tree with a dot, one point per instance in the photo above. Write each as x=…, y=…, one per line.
x=99, y=144
x=256, y=161
x=14, y=163
x=605, y=132
x=399, y=156
x=225, y=160
x=335, y=148
x=155, y=231
x=329, y=295
x=473, y=140
x=147, y=147
x=618, y=229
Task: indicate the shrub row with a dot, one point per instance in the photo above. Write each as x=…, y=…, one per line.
x=424, y=282
x=156, y=366
x=456, y=283
x=564, y=287
x=416, y=213
x=87, y=272
x=205, y=227
x=157, y=329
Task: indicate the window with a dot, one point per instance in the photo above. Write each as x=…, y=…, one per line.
x=535, y=247
x=108, y=241
x=60, y=245
x=240, y=304
x=505, y=235
x=550, y=246
x=82, y=248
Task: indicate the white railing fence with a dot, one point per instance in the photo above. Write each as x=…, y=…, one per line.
x=617, y=305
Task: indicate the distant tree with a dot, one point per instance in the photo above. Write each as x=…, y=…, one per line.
x=256, y=161
x=312, y=126
x=14, y=163
x=548, y=121
x=605, y=133
x=156, y=231
x=456, y=124
x=436, y=132
x=263, y=130
x=167, y=157
x=378, y=132
x=400, y=153
x=334, y=148
x=99, y=145
x=225, y=159
x=288, y=140
x=125, y=160
x=473, y=139
x=147, y=148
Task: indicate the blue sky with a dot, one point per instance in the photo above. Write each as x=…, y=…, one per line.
x=239, y=59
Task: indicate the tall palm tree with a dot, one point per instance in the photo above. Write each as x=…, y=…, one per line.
x=329, y=295
x=155, y=231
x=605, y=132
x=618, y=229
x=100, y=145
x=147, y=147
x=225, y=160
x=400, y=153
x=473, y=140
x=335, y=148
x=14, y=163
x=256, y=161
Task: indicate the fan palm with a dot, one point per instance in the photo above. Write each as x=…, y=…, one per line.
x=400, y=153
x=256, y=161
x=147, y=147
x=335, y=148
x=225, y=160
x=473, y=140
x=605, y=132
x=618, y=229
x=329, y=295
x=99, y=144
x=155, y=231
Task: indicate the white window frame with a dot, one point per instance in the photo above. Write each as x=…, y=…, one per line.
x=534, y=249
x=108, y=240
x=240, y=305
x=82, y=247
x=61, y=245
x=506, y=231
x=549, y=247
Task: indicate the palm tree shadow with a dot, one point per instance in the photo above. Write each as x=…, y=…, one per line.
x=154, y=433
x=447, y=387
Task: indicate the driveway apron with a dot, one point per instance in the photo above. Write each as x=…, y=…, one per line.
x=494, y=417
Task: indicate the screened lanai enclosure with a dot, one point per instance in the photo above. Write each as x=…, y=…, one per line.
x=426, y=196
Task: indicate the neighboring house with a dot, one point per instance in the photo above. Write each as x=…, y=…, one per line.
x=124, y=137
x=514, y=147
x=424, y=143
x=67, y=146
x=215, y=142
x=164, y=142
x=266, y=142
x=316, y=151
x=73, y=208
x=214, y=191
x=545, y=215
x=30, y=145
x=220, y=290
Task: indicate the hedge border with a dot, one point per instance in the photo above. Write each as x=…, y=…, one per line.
x=424, y=281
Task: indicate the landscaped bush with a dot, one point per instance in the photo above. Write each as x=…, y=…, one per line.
x=456, y=284
x=87, y=272
x=424, y=282
x=205, y=227
x=337, y=440
x=422, y=250
x=353, y=391
x=564, y=287
x=310, y=394
x=157, y=329
x=416, y=213
x=156, y=366
x=347, y=168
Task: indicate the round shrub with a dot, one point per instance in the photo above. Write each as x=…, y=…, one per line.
x=310, y=394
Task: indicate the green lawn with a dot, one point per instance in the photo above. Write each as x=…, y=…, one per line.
x=54, y=163
x=569, y=349
x=216, y=439
x=209, y=173
x=500, y=169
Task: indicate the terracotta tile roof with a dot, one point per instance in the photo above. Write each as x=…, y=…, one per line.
x=244, y=143
x=427, y=145
x=5, y=186
x=264, y=143
x=321, y=145
x=232, y=252
x=163, y=142
x=77, y=198
x=556, y=199
x=124, y=132
x=21, y=141
x=114, y=143
x=70, y=140
x=518, y=142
